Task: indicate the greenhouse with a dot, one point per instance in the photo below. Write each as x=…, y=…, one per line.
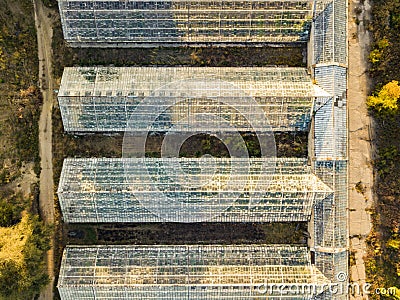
x=188, y=190
x=188, y=272
x=100, y=99
x=113, y=23
x=331, y=116
x=163, y=99
x=329, y=33
x=328, y=57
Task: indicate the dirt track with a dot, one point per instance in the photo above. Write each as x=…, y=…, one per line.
x=360, y=150
x=46, y=197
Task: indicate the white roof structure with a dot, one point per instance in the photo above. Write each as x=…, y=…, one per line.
x=103, y=190
x=328, y=57
x=128, y=23
x=186, y=272
x=117, y=99
x=188, y=190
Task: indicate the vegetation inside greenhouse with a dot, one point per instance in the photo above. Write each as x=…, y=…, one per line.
x=197, y=233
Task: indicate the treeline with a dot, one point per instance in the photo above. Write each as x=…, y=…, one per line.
x=383, y=259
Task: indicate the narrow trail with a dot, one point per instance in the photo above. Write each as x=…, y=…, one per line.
x=360, y=150
x=46, y=198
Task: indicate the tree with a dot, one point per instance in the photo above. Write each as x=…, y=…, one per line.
x=9, y=214
x=386, y=100
x=10, y=276
x=22, y=250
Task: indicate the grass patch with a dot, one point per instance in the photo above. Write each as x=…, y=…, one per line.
x=20, y=98
x=24, y=238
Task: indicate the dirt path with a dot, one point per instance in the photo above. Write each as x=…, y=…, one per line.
x=360, y=151
x=46, y=198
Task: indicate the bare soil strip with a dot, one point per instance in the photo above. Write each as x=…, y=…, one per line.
x=360, y=149
x=46, y=198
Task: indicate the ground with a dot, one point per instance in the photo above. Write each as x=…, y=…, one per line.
x=175, y=233
x=20, y=106
x=46, y=196
x=360, y=149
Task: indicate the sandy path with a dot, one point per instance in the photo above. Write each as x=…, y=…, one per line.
x=46, y=197
x=360, y=151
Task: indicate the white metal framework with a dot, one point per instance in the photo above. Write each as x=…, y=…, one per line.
x=329, y=32
x=331, y=214
x=102, y=100
x=106, y=99
x=186, y=272
x=116, y=23
x=328, y=48
x=116, y=190
x=330, y=116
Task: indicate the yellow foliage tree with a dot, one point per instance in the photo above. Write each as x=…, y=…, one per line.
x=394, y=293
x=394, y=244
x=386, y=100
x=13, y=240
x=22, y=268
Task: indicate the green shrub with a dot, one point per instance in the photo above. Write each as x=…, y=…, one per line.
x=9, y=214
x=50, y=3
